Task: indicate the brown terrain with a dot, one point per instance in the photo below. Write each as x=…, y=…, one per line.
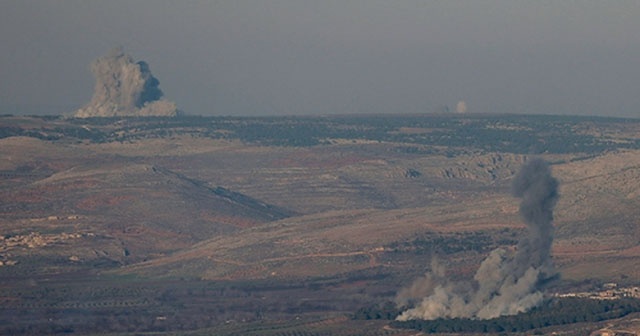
x=351, y=218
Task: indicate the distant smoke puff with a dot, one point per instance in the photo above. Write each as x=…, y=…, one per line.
x=125, y=88
x=461, y=107
x=503, y=284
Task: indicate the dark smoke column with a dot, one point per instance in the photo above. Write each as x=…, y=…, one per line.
x=539, y=193
x=125, y=88
x=505, y=284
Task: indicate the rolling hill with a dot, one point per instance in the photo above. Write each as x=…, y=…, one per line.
x=309, y=217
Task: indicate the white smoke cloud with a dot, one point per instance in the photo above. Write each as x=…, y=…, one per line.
x=505, y=283
x=422, y=286
x=461, y=107
x=125, y=88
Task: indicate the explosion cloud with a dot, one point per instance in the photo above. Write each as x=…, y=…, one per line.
x=125, y=88
x=504, y=284
x=461, y=107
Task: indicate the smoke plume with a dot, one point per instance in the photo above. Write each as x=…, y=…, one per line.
x=461, y=107
x=505, y=283
x=125, y=88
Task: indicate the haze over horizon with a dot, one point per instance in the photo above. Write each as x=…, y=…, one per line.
x=287, y=57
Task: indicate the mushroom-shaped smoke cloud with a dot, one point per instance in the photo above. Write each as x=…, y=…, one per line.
x=125, y=88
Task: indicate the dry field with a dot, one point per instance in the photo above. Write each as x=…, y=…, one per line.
x=364, y=215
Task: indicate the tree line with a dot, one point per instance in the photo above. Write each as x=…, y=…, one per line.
x=554, y=312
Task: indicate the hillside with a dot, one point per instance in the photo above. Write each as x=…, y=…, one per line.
x=122, y=211
x=152, y=186
x=343, y=211
x=605, y=232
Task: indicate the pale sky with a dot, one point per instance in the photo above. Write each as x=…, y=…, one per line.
x=308, y=57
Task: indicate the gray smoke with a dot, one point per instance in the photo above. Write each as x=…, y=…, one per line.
x=505, y=283
x=125, y=88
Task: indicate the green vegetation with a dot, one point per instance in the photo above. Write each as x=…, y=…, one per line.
x=54, y=133
x=125, y=305
x=554, y=312
x=521, y=134
x=383, y=311
x=455, y=242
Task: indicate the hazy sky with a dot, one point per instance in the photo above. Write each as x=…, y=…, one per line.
x=267, y=57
